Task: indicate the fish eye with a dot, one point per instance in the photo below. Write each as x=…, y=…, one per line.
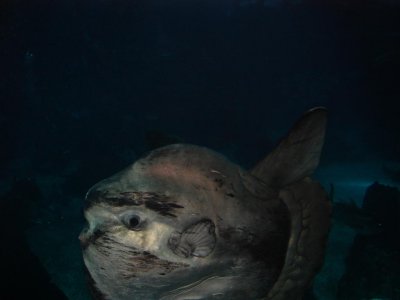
x=132, y=221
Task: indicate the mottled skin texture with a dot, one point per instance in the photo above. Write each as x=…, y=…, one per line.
x=209, y=229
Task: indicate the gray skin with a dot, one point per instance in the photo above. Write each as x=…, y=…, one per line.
x=186, y=223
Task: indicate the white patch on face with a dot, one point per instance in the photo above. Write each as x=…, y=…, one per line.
x=153, y=238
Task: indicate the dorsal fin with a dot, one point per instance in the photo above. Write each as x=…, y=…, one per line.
x=297, y=155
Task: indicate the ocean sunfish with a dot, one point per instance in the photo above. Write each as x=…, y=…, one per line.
x=184, y=222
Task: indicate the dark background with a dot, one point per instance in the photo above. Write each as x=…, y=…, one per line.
x=83, y=79
x=86, y=87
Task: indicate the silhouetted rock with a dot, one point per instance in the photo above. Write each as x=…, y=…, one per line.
x=374, y=260
x=371, y=270
x=23, y=276
x=351, y=215
x=382, y=203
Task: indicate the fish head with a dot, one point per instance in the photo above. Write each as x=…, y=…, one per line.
x=151, y=223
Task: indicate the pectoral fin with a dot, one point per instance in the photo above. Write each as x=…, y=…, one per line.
x=197, y=240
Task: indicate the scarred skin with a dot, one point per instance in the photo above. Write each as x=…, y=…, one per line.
x=204, y=228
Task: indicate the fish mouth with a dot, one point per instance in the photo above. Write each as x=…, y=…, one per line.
x=86, y=238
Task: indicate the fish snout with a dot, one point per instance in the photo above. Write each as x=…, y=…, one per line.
x=84, y=238
x=87, y=236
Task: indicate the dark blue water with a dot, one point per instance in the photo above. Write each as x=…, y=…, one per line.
x=87, y=87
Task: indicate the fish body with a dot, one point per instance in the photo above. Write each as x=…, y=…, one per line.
x=184, y=222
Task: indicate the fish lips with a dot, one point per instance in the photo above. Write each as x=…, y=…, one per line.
x=86, y=238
